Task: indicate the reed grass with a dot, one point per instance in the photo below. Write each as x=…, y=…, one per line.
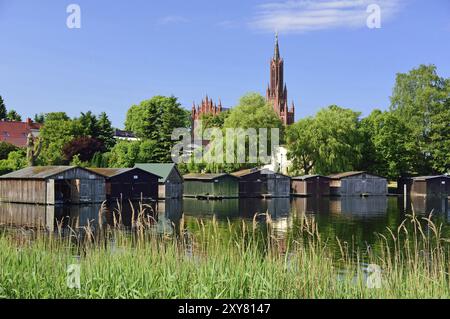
x=240, y=260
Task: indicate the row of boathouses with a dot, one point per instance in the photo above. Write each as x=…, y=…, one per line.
x=75, y=185
x=52, y=185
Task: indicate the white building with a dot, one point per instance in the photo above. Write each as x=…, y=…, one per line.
x=280, y=162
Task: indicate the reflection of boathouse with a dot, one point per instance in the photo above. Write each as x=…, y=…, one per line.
x=359, y=207
x=311, y=205
x=27, y=215
x=425, y=205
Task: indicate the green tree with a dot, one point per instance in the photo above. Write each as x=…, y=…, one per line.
x=105, y=131
x=39, y=118
x=328, y=143
x=210, y=120
x=338, y=140
x=88, y=124
x=419, y=100
x=253, y=112
x=58, y=130
x=128, y=153
x=5, y=149
x=387, y=151
x=2, y=109
x=301, y=149
x=12, y=115
x=16, y=160
x=155, y=120
x=98, y=127
x=76, y=161
x=440, y=138
x=100, y=160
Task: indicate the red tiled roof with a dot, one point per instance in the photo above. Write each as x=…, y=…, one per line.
x=16, y=132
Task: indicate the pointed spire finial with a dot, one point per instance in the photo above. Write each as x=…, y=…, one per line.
x=277, y=48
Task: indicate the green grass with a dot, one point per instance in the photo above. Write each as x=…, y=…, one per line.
x=243, y=260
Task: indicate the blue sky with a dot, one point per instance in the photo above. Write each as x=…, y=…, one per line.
x=128, y=51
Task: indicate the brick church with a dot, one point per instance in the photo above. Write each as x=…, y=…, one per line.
x=276, y=94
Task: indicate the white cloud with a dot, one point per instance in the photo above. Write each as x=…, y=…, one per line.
x=172, y=19
x=309, y=15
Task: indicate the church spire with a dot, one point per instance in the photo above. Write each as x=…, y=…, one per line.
x=276, y=55
x=277, y=92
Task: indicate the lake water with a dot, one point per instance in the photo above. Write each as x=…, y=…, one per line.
x=352, y=219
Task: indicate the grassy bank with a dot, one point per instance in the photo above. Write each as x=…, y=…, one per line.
x=238, y=261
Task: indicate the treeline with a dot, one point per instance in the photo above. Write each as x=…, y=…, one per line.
x=88, y=140
x=411, y=138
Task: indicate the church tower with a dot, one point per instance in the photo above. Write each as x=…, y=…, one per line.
x=277, y=91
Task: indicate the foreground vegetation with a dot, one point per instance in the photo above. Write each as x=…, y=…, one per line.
x=208, y=261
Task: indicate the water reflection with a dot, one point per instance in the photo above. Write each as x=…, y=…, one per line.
x=425, y=205
x=348, y=218
x=28, y=216
x=360, y=207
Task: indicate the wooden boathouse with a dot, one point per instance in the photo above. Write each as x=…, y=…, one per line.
x=171, y=181
x=310, y=185
x=433, y=186
x=50, y=185
x=257, y=183
x=211, y=186
x=129, y=183
x=358, y=184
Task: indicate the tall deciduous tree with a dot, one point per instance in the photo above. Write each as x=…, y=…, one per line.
x=58, y=130
x=328, y=143
x=302, y=151
x=419, y=100
x=253, y=112
x=128, y=153
x=155, y=120
x=387, y=150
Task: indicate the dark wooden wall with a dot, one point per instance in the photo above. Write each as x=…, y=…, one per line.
x=132, y=185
